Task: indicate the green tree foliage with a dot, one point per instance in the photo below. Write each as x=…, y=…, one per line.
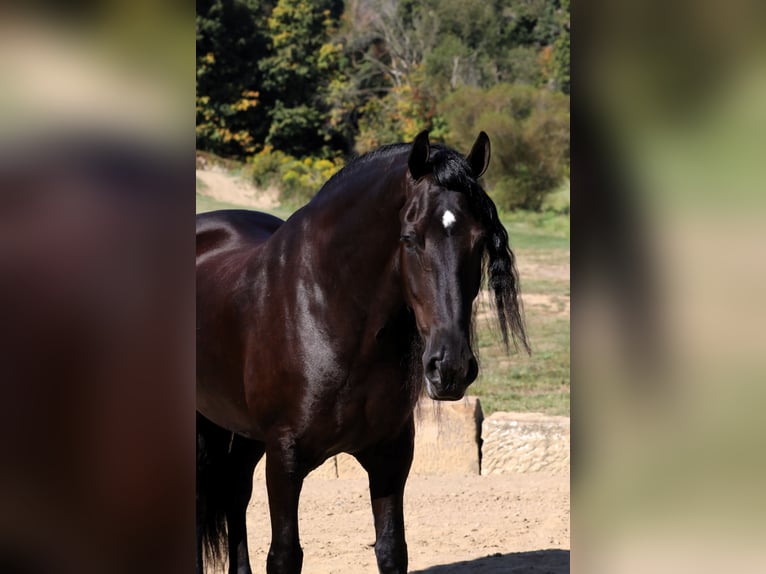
x=424, y=50
x=320, y=79
x=263, y=71
x=529, y=129
x=561, y=71
x=230, y=117
x=301, y=62
x=481, y=43
x=387, y=41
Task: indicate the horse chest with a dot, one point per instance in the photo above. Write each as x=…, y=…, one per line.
x=352, y=418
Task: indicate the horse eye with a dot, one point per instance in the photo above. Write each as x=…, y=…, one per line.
x=409, y=240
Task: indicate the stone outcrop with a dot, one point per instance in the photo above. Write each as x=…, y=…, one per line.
x=524, y=442
x=447, y=437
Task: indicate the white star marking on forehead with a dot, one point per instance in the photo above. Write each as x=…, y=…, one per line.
x=448, y=219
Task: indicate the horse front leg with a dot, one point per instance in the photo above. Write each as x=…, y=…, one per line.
x=284, y=480
x=387, y=467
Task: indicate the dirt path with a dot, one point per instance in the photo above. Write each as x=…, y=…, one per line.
x=221, y=185
x=455, y=525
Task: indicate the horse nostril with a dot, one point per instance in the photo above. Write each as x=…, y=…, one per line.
x=432, y=367
x=432, y=370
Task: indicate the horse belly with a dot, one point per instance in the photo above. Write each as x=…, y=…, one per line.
x=227, y=413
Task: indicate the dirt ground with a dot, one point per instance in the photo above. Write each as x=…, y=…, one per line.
x=223, y=186
x=455, y=525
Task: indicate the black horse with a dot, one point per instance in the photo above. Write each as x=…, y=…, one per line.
x=317, y=335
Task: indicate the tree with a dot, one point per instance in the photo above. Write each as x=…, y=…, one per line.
x=302, y=62
x=529, y=130
x=295, y=76
x=561, y=65
x=231, y=118
x=389, y=51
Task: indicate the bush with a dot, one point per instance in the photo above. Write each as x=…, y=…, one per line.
x=529, y=130
x=558, y=201
x=297, y=179
x=263, y=167
x=301, y=179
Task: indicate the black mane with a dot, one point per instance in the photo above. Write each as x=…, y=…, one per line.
x=361, y=161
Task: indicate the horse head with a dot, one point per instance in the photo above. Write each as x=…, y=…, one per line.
x=442, y=247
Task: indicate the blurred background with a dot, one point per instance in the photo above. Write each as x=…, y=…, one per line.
x=96, y=287
x=668, y=147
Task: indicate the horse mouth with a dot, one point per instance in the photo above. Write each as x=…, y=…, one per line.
x=437, y=395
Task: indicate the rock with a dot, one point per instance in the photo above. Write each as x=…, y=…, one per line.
x=524, y=442
x=447, y=437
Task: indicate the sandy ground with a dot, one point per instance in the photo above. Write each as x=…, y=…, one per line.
x=223, y=186
x=557, y=305
x=534, y=267
x=455, y=525
x=550, y=305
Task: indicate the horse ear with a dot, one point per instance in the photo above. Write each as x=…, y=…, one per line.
x=421, y=150
x=478, y=158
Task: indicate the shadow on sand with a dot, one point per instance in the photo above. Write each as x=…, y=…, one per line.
x=552, y=561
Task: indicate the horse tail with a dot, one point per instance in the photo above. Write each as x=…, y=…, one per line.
x=212, y=489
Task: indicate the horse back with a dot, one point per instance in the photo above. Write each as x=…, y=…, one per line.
x=232, y=228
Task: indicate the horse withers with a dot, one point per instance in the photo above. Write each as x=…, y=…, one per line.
x=317, y=336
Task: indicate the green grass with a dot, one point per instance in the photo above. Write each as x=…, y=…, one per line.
x=528, y=230
x=518, y=382
x=207, y=203
x=515, y=381
x=540, y=382
x=544, y=286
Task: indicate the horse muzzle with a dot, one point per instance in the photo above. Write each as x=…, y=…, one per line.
x=448, y=373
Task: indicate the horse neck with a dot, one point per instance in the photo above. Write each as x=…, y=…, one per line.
x=355, y=230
